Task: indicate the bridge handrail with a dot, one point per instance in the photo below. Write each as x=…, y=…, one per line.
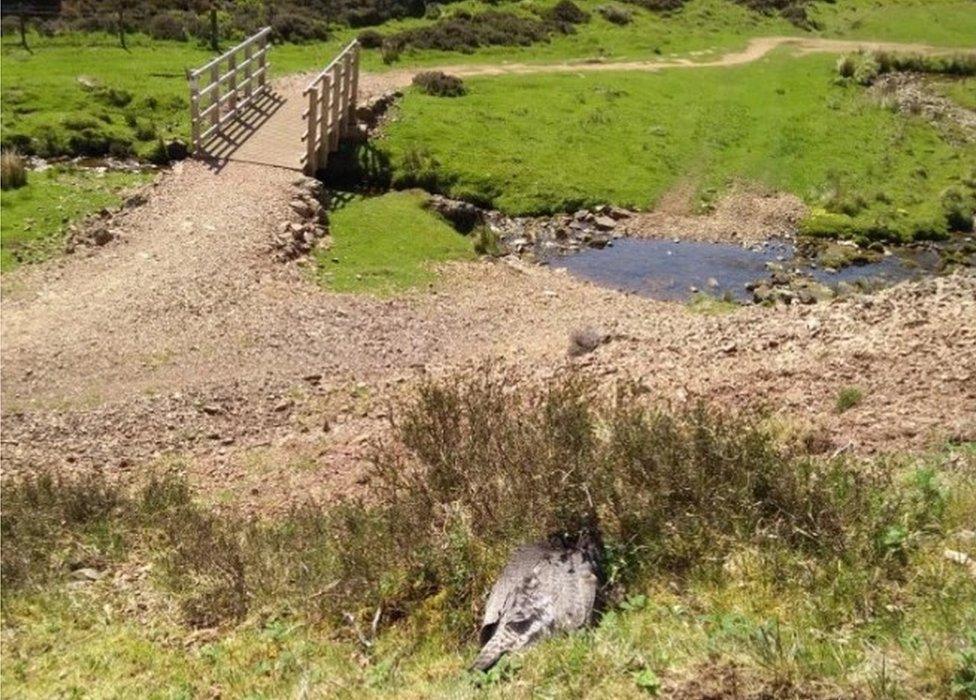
x=221, y=108
x=332, y=97
x=260, y=34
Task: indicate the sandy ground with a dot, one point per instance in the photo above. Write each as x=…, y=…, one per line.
x=186, y=341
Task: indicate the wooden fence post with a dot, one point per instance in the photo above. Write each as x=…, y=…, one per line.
x=263, y=63
x=215, y=95
x=311, y=150
x=354, y=90
x=194, y=111
x=344, y=116
x=335, y=119
x=232, y=92
x=247, y=69
x=323, y=124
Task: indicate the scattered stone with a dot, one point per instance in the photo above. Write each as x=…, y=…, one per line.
x=586, y=340
x=462, y=215
x=86, y=574
x=136, y=200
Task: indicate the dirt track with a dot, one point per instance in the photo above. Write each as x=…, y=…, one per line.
x=185, y=338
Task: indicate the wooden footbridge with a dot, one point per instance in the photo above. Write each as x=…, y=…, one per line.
x=235, y=114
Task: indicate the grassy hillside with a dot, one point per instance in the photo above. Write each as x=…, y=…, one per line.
x=557, y=142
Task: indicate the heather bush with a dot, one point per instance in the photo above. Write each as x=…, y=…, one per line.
x=439, y=84
x=477, y=465
x=615, y=14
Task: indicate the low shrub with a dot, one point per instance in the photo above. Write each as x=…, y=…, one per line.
x=615, y=14
x=661, y=5
x=298, y=27
x=391, y=49
x=167, y=26
x=432, y=11
x=477, y=465
x=439, y=84
x=370, y=39
x=959, y=209
x=794, y=11
x=465, y=33
x=13, y=170
x=567, y=11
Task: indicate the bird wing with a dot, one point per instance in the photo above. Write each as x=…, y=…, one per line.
x=527, y=617
x=521, y=564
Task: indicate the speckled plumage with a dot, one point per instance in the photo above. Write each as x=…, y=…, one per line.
x=546, y=587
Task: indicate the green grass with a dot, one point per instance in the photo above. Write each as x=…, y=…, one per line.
x=35, y=216
x=962, y=91
x=386, y=244
x=848, y=398
x=711, y=305
x=532, y=144
x=941, y=23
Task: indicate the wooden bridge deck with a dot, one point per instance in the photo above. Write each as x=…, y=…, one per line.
x=268, y=132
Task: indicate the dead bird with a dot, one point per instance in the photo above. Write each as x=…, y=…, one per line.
x=546, y=587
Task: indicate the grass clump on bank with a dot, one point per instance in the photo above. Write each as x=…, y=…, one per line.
x=13, y=170
x=35, y=216
x=720, y=544
x=539, y=144
x=387, y=244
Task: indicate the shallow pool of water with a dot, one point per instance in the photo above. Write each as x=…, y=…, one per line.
x=665, y=270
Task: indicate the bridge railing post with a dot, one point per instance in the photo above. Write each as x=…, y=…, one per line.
x=311, y=134
x=194, y=111
x=354, y=89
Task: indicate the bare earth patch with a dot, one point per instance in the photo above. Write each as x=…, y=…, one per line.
x=745, y=215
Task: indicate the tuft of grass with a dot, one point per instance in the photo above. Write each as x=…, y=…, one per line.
x=13, y=170
x=848, y=398
x=710, y=305
x=387, y=244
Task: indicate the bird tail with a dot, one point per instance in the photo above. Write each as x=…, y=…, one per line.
x=502, y=641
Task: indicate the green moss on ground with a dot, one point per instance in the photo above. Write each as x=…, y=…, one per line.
x=387, y=244
x=543, y=143
x=35, y=216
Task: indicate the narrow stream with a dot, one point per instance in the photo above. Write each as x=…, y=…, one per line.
x=673, y=271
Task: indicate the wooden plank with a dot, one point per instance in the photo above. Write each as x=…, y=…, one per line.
x=310, y=141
